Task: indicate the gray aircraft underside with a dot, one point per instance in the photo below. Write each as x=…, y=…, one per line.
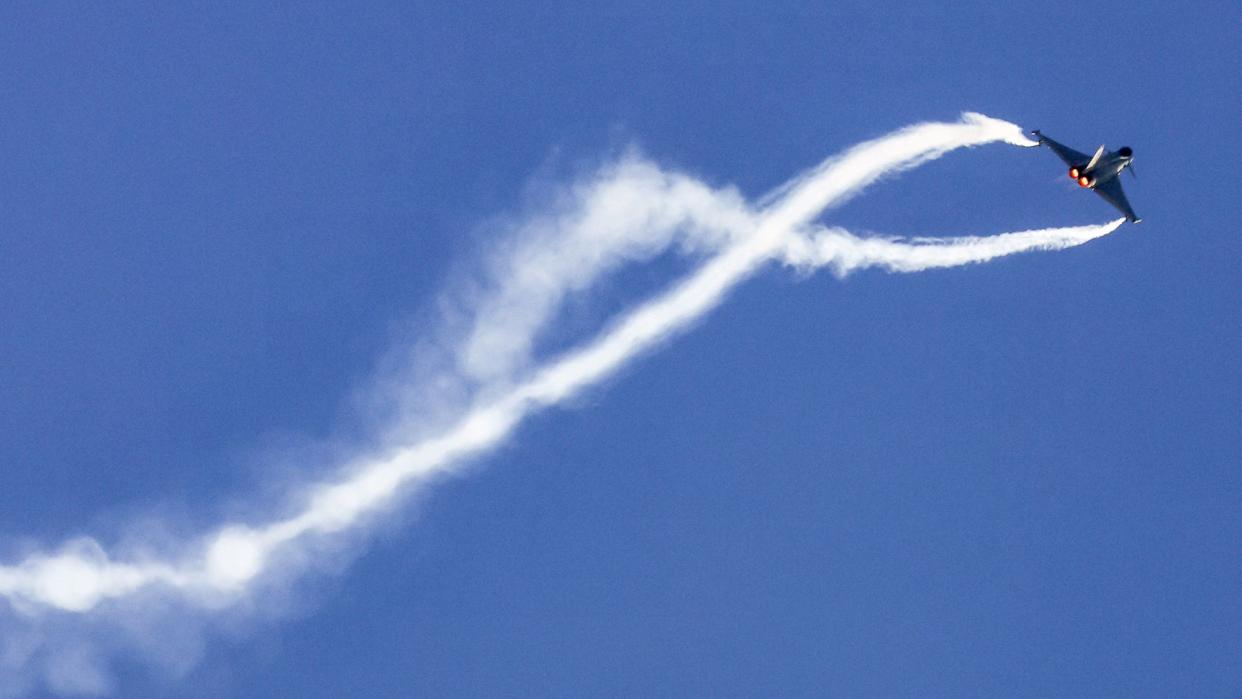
x=1099, y=173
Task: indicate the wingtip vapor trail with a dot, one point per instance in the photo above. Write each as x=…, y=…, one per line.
x=81, y=576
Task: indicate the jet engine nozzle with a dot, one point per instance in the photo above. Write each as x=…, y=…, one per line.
x=1073, y=173
x=1085, y=181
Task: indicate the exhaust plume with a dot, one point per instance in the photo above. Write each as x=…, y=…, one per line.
x=631, y=211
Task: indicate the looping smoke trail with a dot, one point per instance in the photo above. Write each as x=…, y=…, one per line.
x=638, y=210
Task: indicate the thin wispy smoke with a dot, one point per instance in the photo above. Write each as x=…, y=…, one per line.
x=631, y=211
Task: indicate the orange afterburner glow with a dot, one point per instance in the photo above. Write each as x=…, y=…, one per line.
x=1073, y=173
x=1084, y=181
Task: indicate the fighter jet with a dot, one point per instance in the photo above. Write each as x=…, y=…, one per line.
x=1100, y=172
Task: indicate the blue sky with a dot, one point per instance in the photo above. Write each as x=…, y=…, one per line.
x=1018, y=478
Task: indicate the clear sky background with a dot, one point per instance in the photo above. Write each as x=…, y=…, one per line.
x=1021, y=478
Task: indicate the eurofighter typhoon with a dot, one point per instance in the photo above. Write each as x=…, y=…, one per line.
x=1100, y=173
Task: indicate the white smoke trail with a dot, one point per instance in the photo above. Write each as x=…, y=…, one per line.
x=633, y=212
x=845, y=253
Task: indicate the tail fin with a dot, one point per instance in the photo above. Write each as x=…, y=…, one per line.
x=1094, y=159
